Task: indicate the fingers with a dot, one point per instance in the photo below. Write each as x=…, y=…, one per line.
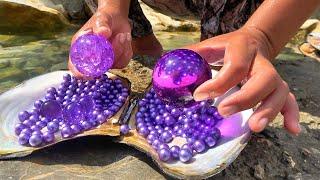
x=237, y=61
x=290, y=112
x=102, y=25
x=269, y=108
x=123, y=50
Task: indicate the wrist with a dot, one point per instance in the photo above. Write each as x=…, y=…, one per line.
x=263, y=41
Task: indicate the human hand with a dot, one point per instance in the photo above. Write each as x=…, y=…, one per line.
x=246, y=54
x=116, y=28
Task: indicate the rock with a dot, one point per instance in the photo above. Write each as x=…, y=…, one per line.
x=75, y=9
x=161, y=22
x=305, y=152
x=31, y=17
x=259, y=172
x=310, y=24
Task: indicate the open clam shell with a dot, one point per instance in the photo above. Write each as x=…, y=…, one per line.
x=235, y=135
x=22, y=98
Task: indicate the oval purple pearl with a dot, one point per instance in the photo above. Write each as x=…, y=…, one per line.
x=23, y=115
x=190, y=70
x=92, y=55
x=199, y=146
x=164, y=154
x=51, y=109
x=48, y=137
x=185, y=155
x=175, y=150
x=35, y=140
x=23, y=138
x=124, y=129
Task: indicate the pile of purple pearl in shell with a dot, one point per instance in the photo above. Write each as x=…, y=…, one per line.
x=160, y=123
x=75, y=106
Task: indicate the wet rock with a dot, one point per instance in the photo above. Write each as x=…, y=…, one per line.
x=32, y=17
x=259, y=172
x=75, y=9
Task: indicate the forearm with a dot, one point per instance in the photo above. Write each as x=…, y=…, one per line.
x=119, y=6
x=278, y=20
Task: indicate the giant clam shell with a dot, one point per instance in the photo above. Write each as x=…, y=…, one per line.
x=235, y=130
x=22, y=98
x=235, y=135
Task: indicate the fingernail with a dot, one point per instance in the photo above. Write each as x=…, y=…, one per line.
x=201, y=96
x=262, y=123
x=122, y=38
x=229, y=110
x=129, y=37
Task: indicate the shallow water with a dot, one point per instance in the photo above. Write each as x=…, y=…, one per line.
x=23, y=57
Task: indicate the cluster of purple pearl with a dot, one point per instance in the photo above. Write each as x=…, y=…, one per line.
x=75, y=106
x=160, y=124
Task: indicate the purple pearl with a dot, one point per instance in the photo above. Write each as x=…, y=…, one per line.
x=48, y=137
x=38, y=104
x=24, y=138
x=169, y=120
x=23, y=115
x=51, y=109
x=190, y=70
x=85, y=125
x=151, y=138
x=19, y=127
x=73, y=113
x=92, y=55
x=53, y=126
x=156, y=143
x=143, y=131
x=101, y=118
x=67, y=77
x=216, y=133
x=28, y=123
x=166, y=137
x=185, y=154
x=35, y=140
x=175, y=150
x=36, y=132
x=124, y=129
x=199, y=146
x=26, y=131
x=76, y=129
x=164, y=154
x=210, y=141
x=35, y=128
x=41, y=124
x=66, y=132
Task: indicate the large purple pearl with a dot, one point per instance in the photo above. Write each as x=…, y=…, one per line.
x=177, y=74
x=35, y=140
x=87, y=104
x=199, y=146
x=124, y=129
x=73, y=113
x=92, y=55
x=185, y=154
x=51, y=109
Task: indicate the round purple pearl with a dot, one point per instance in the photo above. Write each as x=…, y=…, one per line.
x=48, y=137
x=164, y=154
x=166, y=137
x=185, y=155
x=76, y=129
x=23, y=115
x=199, y=146
x=53, y=126
x=73, y=113
x=210, y=141
x=156, y=143
x=24, y=138
x=92, y=55
x=51, y=109
x=177, y=74
x=175, y=150
x=66, y=132
x=124, y=129
x=26, y=131
x=144, y=131
x=151, y=138
x=19, y=127
x=85, y=125
x=35, y=140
